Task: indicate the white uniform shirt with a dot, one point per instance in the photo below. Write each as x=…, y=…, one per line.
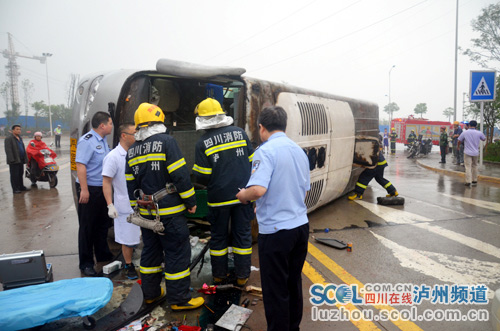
x=114, y=166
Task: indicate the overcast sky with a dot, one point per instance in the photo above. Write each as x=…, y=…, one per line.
x=341, y=47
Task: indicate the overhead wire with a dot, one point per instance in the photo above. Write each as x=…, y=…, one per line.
x=340, y=38
x=296, y=32
x=261, y=31
x=415, y=46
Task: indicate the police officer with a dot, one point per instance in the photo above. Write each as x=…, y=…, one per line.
x=223, y=160
x=92, y=208
x=154, y=162
x=393, y=137
x=58, y=133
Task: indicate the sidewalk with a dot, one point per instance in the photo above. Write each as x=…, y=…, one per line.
x=488, y=172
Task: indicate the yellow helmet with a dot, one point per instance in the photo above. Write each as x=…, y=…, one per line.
x=456, y=123
x=148, y=114
x=393, y=129
x=208, y=107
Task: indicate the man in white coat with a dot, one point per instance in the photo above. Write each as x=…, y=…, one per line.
x=113, y=173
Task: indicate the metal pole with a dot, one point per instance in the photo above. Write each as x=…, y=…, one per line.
x=463, y=106
x=481, y=143
x=456, y=64
x=390, y=106
x=47, y=55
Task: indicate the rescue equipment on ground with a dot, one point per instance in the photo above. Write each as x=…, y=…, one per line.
x=387, y=201
x=349, y=247
x=150, y=202
x=338, y=244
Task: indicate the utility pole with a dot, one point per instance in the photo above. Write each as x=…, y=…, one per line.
x=456, y=64
x=463, y=106
x=45, y=56
x=390, y=106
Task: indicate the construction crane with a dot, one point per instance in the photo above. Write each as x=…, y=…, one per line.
x=13, y=72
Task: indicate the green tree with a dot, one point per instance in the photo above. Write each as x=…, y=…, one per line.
x=5, y=91
x=449, y=112
x=421, y=109
x=487, y=47
x=391, y=108
x=472, y=111
x=491, y=114
x=59, y=112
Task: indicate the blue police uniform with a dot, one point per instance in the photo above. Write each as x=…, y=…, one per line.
x=282, y=167
x=93, y=216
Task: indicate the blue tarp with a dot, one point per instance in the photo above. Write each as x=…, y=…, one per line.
x=34, y=305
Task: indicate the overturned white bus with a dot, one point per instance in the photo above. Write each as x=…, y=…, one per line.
x=338, y=134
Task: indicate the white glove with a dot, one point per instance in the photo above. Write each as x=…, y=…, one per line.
x=112, y=212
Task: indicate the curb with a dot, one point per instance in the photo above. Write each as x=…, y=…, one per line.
x=459, y=173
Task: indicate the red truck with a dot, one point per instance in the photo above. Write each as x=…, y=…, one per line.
x=429, y=129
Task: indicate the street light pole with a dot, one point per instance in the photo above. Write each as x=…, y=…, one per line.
x=463, y=106
x=390, y=106
x=47, y=55
x=456, y=64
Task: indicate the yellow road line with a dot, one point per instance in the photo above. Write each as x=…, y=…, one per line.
x=350, y=279
x=316, y=278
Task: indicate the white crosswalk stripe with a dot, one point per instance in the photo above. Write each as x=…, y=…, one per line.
x=447, y=268
x=479, y=203
x=396, y=216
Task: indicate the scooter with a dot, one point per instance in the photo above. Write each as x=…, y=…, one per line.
x=47, y=174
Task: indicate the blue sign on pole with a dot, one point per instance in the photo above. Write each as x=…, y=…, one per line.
x=482, y=85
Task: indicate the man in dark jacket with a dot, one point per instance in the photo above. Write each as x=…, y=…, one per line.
x=16, y=158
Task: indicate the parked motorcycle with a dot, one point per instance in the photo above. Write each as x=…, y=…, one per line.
x=420, y=147
x=48, y=173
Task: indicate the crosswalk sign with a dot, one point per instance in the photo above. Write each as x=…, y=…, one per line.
x=482, y=85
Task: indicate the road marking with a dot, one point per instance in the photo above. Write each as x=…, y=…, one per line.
x=403, y=217
x=490, y=222
x=316, y=278
x=452, y=269
x=441, y=207
x=460, y=238
x=479, y=203
x=350, y=279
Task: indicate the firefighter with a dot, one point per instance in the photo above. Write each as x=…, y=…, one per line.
x=368, y=174
x=412, y=137
x=223, y=161
x=393, y=137
x=153, y=163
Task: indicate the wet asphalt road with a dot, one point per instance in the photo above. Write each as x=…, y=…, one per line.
x=444, y=234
